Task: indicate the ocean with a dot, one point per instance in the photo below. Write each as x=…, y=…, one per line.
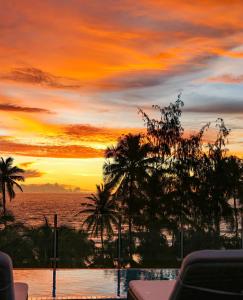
x=32, y=208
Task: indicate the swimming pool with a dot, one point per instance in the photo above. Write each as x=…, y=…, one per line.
x=86, y=282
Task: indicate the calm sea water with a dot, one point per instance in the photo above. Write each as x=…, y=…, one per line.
x=32, y=208
x=87, y=282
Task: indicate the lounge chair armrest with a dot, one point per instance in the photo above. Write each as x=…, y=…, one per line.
x=21, y=291
x=150, y=289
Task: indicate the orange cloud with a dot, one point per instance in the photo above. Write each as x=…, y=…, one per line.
x=33, y=173
x=69, y=151
x=81, y=47
x=26, y=164
x=28, y=172
x=69, y=141
x=85, y=132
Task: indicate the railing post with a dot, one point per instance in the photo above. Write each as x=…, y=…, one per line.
x=241, y=230
x=118, y=260
x=182, y=243
x=118, y=283
x=54, y=263
x=119, y=242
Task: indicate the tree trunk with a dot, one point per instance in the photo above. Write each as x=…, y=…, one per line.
x=130, y=204
x=130, y=236
x=236, y=218
x=102, y=241
x=4, y=198
x=217, y=225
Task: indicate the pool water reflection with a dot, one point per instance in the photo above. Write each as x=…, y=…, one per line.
x=87, y=282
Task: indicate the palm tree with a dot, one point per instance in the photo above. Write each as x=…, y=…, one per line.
x=100, y=213
x=127, y=170
x=9, y=177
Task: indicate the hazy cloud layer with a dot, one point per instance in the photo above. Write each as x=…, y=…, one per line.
x=17, y=108
x=227, y=78
x=231, y=107
x=36, y=76
x=49, y=188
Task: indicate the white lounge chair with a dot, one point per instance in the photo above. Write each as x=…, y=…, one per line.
x=204, y=275
x=8, y=289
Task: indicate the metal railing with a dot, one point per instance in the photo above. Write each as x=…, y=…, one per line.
x=53, y=243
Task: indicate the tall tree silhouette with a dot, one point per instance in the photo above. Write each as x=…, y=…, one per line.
x=100, y=213
x=186, y=170
x=235, y=186
x=166, y=131
x=125, y=170
x=217, y=183
x=9, y=177
x=174, y=156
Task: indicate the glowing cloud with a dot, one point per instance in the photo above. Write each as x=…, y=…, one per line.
x=69, y=151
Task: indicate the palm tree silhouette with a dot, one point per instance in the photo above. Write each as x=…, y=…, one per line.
x=100, y=213
x=9, y=177
x=126, y=172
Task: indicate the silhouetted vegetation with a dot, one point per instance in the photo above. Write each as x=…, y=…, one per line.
x=101, y=214
x=9, y=177
x=33, y=246
x=161, y=189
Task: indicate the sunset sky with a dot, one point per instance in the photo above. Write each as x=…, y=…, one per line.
x=73, y=74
